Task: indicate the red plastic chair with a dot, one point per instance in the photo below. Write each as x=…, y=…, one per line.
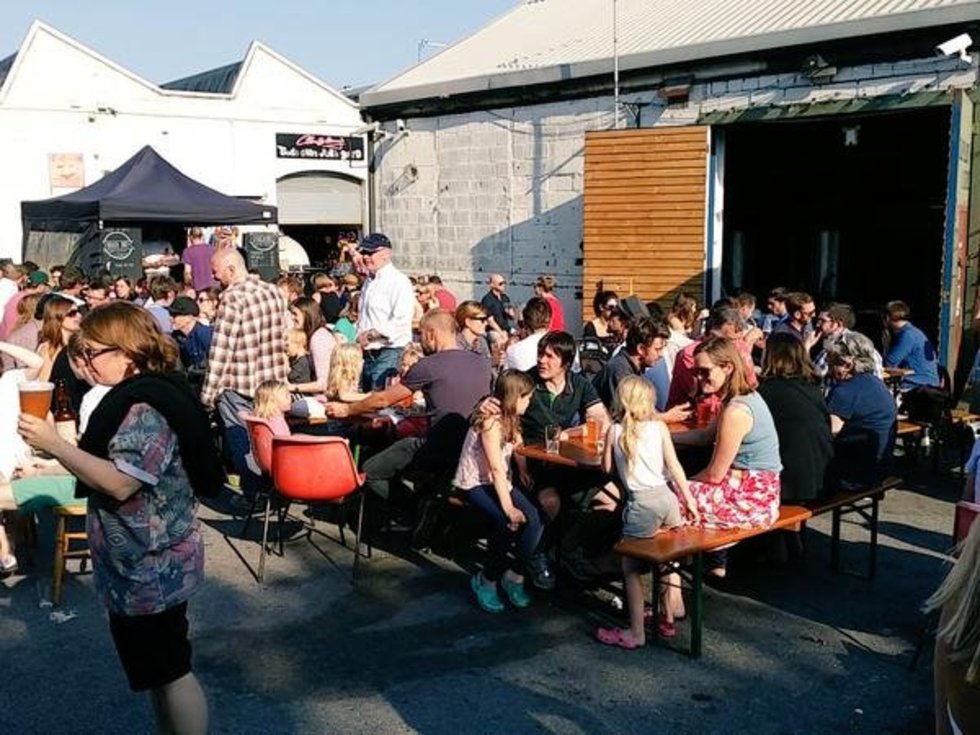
x=312, y=469
x=260, y=433
x=966, y=514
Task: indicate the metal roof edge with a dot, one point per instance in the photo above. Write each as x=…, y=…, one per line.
x=932, y=17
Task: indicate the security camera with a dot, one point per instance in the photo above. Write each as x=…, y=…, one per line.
x=956, y=46
x=400, y=125
x=365, y=129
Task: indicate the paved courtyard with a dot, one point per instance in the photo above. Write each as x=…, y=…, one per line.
x=793, y=648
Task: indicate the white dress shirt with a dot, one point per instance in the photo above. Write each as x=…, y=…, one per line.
x=387, y=305
x=523, y=355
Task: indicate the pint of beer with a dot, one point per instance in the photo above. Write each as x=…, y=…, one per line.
x=35, y=397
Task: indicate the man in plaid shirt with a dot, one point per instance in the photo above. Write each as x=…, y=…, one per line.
x=248, y=348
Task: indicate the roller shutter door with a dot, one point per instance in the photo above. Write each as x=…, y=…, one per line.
x=319, y=199
x=644, y=209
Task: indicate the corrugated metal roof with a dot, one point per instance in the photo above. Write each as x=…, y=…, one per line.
x=5, y=66
x=554, y=40
x=216, y=81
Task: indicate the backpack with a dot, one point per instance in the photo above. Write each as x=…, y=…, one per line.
x=592, y=356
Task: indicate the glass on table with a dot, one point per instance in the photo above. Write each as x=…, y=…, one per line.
x=552, y=434
x=593, y=427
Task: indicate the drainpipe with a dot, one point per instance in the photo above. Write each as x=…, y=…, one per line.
x=371, y=195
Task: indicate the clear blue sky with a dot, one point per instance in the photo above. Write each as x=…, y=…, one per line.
x=340, y=41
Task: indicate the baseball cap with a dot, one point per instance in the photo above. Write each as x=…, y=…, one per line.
x=183, y=306
x=374, y=242
x=37, y=278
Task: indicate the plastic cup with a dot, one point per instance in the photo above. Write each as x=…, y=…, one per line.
x=551, y=438
x=35, y=397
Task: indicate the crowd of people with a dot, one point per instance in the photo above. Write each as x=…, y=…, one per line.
x=783, y=405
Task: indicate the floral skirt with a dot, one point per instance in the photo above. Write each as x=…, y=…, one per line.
x=742, y=499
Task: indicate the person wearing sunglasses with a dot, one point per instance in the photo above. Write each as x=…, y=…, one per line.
x=61, y=318
x=146, y=453
x=740, y=487
x=472, y=318
x=800, y=311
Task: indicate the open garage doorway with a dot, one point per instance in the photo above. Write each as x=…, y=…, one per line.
x=848, y=209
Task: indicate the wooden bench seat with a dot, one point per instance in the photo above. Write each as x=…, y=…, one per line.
x=685, y=541
x=695, y=542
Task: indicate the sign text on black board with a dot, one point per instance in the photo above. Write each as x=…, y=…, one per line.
x=320, y=147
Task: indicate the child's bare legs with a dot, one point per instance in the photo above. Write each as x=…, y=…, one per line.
x=671, y=599
x=633, y=585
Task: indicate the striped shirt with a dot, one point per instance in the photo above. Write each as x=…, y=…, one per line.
x=249, y=343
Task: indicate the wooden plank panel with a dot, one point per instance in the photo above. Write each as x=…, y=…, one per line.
x=643, y=214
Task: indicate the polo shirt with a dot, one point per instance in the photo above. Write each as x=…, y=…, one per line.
x=566, y=409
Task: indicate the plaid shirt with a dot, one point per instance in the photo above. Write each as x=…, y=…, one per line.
x=249, y=343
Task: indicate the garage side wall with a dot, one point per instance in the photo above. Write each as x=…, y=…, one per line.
x=469, y=194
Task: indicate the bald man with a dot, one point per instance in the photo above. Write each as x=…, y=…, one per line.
x=452, y=380
x=248, y=348
x=497, y=303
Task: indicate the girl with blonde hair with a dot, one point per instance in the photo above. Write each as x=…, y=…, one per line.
x=957, y=654
x=483, y=475
x=272, y=403
x=641, y=450
x=346, y=365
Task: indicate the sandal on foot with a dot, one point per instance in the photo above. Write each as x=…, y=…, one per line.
x=617, y=637
x=666, y=629
x=648, y=615
x=8, y=564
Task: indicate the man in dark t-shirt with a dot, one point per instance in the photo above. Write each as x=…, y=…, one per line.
x=452, y=381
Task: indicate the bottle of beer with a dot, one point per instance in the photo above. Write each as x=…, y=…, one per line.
x=65, y=418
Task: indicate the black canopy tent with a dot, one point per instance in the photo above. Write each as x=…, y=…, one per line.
x=144, y=189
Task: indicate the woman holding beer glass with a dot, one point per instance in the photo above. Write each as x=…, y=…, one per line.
x=146, y=452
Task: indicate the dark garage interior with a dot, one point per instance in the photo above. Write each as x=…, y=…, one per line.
x=847, y=209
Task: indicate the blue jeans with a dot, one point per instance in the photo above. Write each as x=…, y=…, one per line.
x=229, y=404
x=503, y=541
x=379, y=365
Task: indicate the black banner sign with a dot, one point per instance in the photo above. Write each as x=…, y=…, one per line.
x=121, y=252
x=319, y=147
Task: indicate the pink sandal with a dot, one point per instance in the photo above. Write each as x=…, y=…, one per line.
x=617, y=637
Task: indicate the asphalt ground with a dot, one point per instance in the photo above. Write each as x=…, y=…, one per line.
x=788, y=648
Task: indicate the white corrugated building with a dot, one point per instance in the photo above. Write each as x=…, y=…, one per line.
x=261, y=128
x=802, y=143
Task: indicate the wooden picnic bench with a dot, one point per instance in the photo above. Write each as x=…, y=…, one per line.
x=689, y=541
x=686, y=541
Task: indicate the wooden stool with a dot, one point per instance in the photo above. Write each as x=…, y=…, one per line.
x=63, y=550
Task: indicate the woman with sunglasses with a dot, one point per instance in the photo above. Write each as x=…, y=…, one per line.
x=207, y=303
x=145, y=454
x=740, y=486
x=604, y=304
x=471, y=318
x=61, y=319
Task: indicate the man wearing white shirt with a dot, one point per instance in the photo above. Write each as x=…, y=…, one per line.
x=384, y=318
x=523, y=355
x=9, y=284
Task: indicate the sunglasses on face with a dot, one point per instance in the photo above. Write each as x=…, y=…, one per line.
x=71, y=313
x=478, y=318
x=703, y=372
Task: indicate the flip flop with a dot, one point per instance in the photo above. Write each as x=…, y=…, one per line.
x=666, y=629
x=617, y=637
